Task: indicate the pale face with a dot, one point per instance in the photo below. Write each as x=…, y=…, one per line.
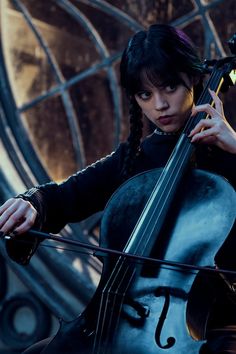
x=167, y=107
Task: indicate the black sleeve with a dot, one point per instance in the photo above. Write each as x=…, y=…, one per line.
x=73, y=200
x=218, y=161
x=225, y=165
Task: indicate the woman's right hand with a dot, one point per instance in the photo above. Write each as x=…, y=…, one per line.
x=17, y=216
x=215, y=130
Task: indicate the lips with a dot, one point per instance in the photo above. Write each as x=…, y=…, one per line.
x=165, y=120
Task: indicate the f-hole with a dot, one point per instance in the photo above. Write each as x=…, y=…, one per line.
x=171, y=340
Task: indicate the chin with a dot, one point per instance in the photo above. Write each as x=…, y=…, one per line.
x=170, y=129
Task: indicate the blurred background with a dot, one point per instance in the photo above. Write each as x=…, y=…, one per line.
x=61, y=108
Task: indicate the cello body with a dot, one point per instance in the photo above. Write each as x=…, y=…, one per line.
x=146, y=312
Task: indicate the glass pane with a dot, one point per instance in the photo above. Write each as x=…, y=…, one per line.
x=67, y=40
x=148, y=12
x=195, y=31
x=223, y=17
x=114, y=40
x=28, y=69
x=93, y=104
x=48, y=130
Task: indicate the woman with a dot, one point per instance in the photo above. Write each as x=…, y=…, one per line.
x=162, y=75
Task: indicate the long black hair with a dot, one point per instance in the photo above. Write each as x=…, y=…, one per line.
x=161, y=53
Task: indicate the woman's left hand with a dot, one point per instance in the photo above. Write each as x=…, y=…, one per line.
x=216, y=130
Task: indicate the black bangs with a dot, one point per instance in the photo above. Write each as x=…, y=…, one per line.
x=151, y=76
x=158, y=56
x=159, y=78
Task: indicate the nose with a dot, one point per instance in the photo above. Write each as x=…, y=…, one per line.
x=160, y=101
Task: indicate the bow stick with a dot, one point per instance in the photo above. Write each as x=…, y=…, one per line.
x=98, y=251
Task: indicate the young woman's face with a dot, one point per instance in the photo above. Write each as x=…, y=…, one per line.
x=167, y=107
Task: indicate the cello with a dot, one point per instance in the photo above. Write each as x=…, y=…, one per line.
x=136, y=312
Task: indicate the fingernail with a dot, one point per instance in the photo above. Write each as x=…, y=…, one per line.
x=13, y=234
x=7, y=237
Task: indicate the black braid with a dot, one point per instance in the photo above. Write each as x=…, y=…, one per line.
x=134, y=139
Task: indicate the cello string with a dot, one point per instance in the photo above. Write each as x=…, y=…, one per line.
x=212, y=83
x=103, y=315
x=141, y=241
x=109, y=290
x=113, y=278
x=115, y=300
x=170, y=188
x=180, y=161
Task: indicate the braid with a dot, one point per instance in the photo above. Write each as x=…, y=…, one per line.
x=133, y=141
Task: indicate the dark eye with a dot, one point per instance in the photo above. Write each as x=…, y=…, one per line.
x=170, y=88
x=144, y=95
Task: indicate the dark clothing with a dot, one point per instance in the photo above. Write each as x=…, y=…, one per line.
x=38, y=347
x=88, y=191
x=221, y=341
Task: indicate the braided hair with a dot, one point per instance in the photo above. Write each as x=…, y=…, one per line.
x=159, y=55
x=133, y=141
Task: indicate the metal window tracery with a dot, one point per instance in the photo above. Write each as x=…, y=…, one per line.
x=26, y=160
